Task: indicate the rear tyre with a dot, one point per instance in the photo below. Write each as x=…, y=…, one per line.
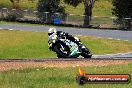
x=59, y=56
x=86, y=53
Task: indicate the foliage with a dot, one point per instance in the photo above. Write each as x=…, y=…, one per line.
x=88, y=7
x=101, y=7
x=122, y=8
x=74, y=3
x=51, y=6
x=13, y=16
x=12, y=1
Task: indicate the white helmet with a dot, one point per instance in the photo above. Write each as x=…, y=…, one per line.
x=51, y=31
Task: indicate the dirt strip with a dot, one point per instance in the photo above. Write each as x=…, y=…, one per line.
x=4, y=66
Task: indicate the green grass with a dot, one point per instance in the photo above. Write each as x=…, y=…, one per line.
x=33, y=24
x=15, y=44
x=101, y=8
x=30, y=24
x=23, y=44
x=59, y=77
x=24, y=4
x=106, y=46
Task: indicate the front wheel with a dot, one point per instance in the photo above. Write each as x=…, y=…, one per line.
x=62, y=51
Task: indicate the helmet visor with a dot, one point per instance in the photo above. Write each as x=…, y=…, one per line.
x=50, y=34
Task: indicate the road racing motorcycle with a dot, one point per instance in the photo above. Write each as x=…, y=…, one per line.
x=66, y=48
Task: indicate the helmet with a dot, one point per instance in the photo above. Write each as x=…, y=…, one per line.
x=51, y=31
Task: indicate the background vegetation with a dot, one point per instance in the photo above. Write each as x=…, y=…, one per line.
x=101, y=8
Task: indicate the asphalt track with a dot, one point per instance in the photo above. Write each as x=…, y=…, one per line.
x=61, y=59
x=110, y=34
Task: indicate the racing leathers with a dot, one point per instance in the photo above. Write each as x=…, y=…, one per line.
x=70, y=37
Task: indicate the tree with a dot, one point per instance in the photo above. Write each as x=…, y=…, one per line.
x=31, y=1
x=15, y=3
x=88, y=6
x=51, y=6
x=123, y=9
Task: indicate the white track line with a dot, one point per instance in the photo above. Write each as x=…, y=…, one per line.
x=113, y=54
x=99, y=37
x=78, y=35
x=118, y=39
x=11, y=29
x=110, y=38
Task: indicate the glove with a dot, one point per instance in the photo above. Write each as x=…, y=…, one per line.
x=77, y=39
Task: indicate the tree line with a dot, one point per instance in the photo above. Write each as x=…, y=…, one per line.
x=121, y=8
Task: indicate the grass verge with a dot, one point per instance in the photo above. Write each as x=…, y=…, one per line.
x=32, y=24
x=59, y=77
x=23, y=44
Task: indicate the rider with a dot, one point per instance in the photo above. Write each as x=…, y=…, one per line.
x=61, y=33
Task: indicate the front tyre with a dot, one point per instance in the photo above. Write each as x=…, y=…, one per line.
x=62, y=51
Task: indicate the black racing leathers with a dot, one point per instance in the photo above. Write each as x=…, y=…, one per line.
x=70, y=37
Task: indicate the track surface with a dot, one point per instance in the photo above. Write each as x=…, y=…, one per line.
x=118, y=55
x=6, y=65
x=61, y=59
x=115, y=34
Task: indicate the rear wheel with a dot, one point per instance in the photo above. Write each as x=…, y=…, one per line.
x=59, y=56
x=86, y=53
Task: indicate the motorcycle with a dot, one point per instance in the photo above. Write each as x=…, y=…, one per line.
x=66, y=48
